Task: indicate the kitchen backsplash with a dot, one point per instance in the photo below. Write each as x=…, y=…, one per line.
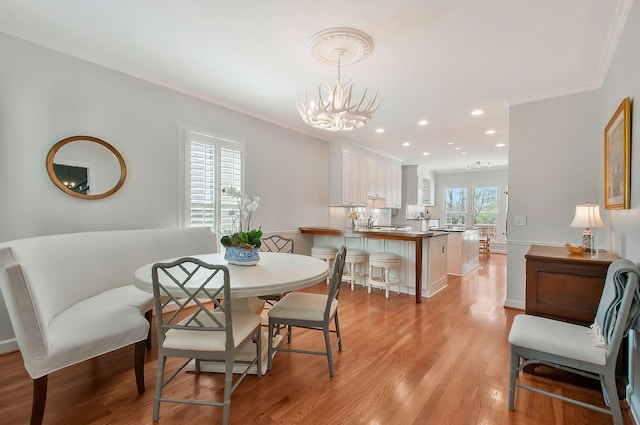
x=339, y=216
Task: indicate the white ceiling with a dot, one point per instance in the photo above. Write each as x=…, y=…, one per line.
x=432, y=59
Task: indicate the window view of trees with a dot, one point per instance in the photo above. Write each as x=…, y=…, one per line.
x=456, y=205
x=483, y=212
x=485, y=205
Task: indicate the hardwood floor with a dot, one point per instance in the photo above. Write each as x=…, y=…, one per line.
x=444, y=361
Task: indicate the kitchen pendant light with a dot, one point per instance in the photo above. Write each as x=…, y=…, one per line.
x=337, y=109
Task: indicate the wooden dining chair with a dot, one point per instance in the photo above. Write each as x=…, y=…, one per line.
x=195, y=331
x=309, y=311
x=485, y=246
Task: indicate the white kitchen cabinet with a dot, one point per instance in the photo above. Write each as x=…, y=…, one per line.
x=437, y=264
x=347, y=180
x=419, y=185
x=376, y=178
x=361, y=186
x=393, y=198
x=463, y=251
x=357, y=174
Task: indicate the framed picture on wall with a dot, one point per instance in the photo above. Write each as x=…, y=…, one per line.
x=617, y=158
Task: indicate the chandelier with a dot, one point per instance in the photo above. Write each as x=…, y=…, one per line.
x=338, y=109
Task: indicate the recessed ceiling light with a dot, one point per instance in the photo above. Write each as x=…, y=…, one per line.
x=425, y=153
x=380, y=130
x=450, y=143
x=406, y=144
x=458, y=148
x=423, y=122
x=500, y=145
x=477, y=112
x=490, y=132
x=464, y=153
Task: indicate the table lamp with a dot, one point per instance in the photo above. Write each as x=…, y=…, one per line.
x=587, y=216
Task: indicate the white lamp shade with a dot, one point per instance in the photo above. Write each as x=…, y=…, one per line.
x=587, y=215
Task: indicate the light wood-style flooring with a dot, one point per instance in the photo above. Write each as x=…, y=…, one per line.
x=444, y=361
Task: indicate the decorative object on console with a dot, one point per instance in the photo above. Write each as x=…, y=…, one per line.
x=577, y=250
x=588, y=216
x=338, y=110
x=243, y=246
x=617, y=158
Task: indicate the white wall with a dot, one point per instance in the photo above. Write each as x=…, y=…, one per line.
x=555, y=162
x=46, y=96
x=556, y=158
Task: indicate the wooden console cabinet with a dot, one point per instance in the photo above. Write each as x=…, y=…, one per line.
x=568, y=287
x=565, y=286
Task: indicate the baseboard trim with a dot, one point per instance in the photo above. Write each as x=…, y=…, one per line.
x=520, y=305
x=8, y=346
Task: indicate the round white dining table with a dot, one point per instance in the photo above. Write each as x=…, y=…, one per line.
x=275, y=273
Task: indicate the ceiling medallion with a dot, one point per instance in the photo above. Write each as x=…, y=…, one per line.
x=337, y=110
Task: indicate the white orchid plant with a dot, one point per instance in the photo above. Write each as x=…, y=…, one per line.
x=244, y=237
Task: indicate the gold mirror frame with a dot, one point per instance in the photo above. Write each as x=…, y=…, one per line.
x=54, y=178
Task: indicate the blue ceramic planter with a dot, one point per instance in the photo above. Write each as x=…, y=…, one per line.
x=242, y=257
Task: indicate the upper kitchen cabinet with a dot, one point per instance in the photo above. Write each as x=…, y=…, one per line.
x=419, y=185
x=393, y=198
x=357, y=174
x=347, y=180
x=376, y=179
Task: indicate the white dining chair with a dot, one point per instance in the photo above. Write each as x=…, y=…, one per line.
x=275, y=243
x=309, y=311
x=199, y=332
x=590, y=352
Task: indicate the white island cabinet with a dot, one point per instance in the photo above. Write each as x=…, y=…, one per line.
x=463, y=251
x=424, y=254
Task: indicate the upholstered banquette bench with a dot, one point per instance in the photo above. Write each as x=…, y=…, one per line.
x=71, y=297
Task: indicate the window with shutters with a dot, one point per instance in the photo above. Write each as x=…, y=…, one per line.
x=211, y=163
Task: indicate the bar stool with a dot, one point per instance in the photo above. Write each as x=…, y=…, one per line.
x=353, y=258
x=385, y=262
x=326, y=253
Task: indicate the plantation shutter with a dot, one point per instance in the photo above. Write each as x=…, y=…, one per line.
x=203, y=158
x=230, y=175
x=214, y=163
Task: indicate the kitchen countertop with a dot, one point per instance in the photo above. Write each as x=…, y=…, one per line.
x=399, y=234
x=454, y=229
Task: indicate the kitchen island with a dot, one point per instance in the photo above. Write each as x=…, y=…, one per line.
x=424, y=270
x=463, y=249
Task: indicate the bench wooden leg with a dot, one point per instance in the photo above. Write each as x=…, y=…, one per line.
x=39, y=400
x=139, y=364
x=148, y=316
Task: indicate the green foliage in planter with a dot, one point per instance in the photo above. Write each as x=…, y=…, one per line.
x=247, y=240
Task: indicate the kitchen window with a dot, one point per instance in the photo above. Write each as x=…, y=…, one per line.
x=485, y=210
x=455, y=205
x=210, y=163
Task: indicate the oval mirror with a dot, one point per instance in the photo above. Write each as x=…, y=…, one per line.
x=86, y=167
